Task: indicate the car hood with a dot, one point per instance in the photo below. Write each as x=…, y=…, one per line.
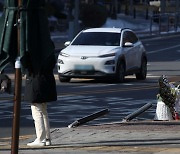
x=74, y=50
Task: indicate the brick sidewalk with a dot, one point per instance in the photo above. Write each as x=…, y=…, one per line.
x=141, y=137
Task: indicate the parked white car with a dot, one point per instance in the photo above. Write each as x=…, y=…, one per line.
x=103, y=52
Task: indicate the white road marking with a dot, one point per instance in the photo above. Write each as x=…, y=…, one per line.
x=155, y=51
x=92, y=86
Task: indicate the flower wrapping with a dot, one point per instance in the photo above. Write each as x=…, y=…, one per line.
x=168, y=93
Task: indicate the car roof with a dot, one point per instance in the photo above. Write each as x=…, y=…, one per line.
x=111, y=30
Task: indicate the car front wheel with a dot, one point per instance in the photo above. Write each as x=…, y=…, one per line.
x=64, y=79
x=120, y=73
x=143, y=71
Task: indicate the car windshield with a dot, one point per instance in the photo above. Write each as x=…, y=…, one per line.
x=98, y=39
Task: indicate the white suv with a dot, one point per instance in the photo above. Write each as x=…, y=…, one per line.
x=103, y=52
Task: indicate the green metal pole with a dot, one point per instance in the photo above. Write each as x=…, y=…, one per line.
x=17, y=96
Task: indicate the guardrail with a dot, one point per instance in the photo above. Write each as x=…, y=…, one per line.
x=164, y=23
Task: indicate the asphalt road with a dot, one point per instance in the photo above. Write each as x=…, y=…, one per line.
x=80, y=98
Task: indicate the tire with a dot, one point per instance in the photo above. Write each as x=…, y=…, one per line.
x=120, y=73
x=64, y=79
x=143, y=70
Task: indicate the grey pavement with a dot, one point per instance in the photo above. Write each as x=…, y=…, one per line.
x=136, y=137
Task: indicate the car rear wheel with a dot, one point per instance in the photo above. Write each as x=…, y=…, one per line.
x=143, y=71
x=64, y=79
x=120, y=73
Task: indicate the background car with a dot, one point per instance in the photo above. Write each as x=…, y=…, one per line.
x=103, y=52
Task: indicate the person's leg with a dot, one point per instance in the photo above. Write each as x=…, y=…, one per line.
x=37, y=114
x=46, y=123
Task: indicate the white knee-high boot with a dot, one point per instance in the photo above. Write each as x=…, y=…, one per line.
x=46, y=124
x=37, y=115
x=42, y=127
x=46, y=120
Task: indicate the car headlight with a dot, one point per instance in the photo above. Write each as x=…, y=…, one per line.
x=64, y=54
x=107, y=55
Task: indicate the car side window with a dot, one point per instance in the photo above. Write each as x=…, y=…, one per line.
x=129, y=36
x=125, y=37
x=133, y=37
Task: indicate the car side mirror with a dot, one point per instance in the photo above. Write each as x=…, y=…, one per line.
x=67, y=43
x=128, y=44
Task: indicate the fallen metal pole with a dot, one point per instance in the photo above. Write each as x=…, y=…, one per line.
x=88, y=118
x=138, y=112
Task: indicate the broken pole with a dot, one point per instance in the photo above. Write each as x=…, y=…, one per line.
x=138, y=112
x=88, y=118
